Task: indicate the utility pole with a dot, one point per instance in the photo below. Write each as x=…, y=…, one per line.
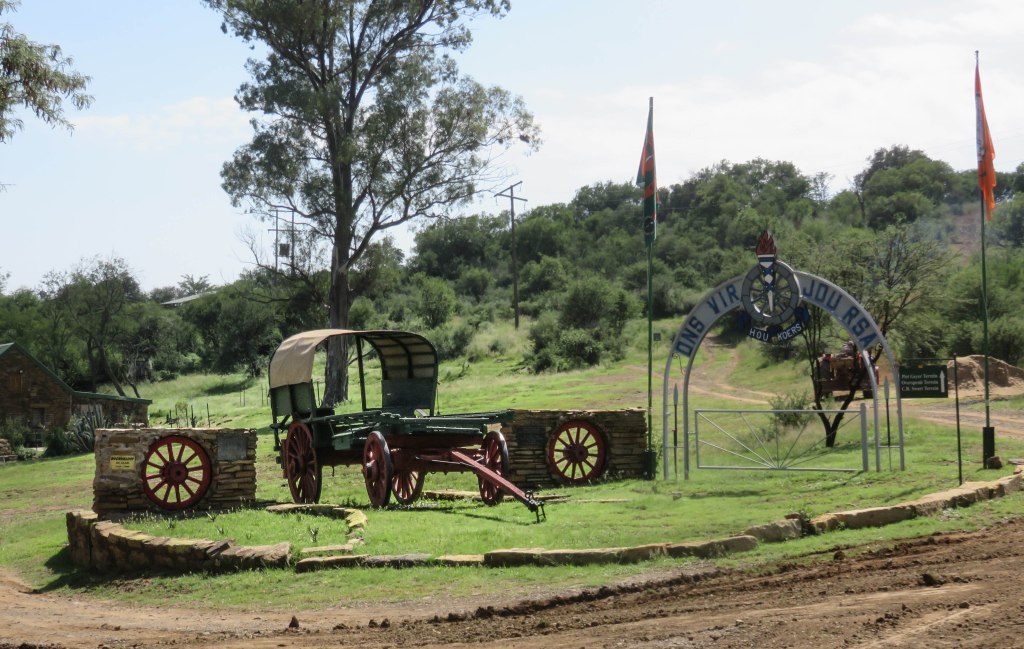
x=510, y=193
x=287, y=248
x=277, y=230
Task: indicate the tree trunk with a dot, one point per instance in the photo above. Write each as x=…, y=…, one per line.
x=336, y=372
x=109, y=371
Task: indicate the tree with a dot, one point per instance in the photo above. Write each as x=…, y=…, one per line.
x=37, y=77
x=436, y=301
x=369, y=124
x=894, y=273
x=903, y=184
x=95, y=301
x=447, y=247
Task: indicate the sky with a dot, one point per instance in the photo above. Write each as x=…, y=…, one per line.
x=819, y=84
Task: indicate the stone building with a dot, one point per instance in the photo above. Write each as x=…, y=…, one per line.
x=33, y=395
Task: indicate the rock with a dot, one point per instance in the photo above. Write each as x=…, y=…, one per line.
x=783, y=530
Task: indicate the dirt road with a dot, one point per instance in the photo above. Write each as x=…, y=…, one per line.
x=957, y=590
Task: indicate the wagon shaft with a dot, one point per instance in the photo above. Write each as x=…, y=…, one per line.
x=499, y=481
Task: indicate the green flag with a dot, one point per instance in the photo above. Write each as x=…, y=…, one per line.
x=647, y=178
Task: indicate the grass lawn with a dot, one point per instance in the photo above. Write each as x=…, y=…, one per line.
x=34, y=497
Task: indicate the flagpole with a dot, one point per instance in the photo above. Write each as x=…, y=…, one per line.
x=647, y=178
x=986, y=154
x=650, y=350
x=988, y=434
x=649, y=240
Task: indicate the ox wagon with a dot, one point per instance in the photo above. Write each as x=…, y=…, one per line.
x=395, y=444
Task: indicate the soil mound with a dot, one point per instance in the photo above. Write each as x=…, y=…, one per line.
x=971, y=373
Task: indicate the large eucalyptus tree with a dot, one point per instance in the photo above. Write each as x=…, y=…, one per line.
x=366, y=124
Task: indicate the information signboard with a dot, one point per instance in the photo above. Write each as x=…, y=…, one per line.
x=924, y=382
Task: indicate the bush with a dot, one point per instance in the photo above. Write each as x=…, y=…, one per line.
x=495, y=340
x=1006, y=339
x=587, y=302
x=362, y=314
x=544, y=332
x=80, y=437
x=790, y=402
x=474, y=282
x=436, y=302
x=13, y=432
x=451, y=341
x=578, y=348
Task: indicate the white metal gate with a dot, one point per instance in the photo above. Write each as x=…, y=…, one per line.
x=779, y=440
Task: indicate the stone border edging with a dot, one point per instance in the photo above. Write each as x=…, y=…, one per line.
x=106, y=545
x=963, y=496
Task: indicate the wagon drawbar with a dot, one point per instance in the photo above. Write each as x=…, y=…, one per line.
x=395, y=444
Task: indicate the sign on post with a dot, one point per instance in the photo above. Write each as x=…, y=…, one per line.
x=924, y=382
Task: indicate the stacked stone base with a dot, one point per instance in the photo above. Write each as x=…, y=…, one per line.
x=624, y=432
x=121, y=453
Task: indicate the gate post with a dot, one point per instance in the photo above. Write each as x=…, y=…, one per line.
x=864, y=436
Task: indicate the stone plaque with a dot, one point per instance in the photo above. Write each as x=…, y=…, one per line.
x=531, y=436
x=231, y=447
x=122, y=462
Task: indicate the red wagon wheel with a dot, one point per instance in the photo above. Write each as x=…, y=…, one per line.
x=301, y=468
x=377, y=469
x=176, y=472
x=495, y=457
x=576, y=452
x=407, y=485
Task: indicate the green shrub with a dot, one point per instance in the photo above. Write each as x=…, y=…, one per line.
x=79, y=437
x=436, y=302
x=13, y=432
x=791, y=401
x=1006, y=339
x=451, y=341
x=578, y=348
x=544, y=332
x=587, y=302
x=474, y=282
x=362, y=314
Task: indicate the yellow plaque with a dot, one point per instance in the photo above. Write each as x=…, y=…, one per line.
x=122, y=462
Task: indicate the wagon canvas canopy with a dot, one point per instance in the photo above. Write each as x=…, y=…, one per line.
x=403, y=355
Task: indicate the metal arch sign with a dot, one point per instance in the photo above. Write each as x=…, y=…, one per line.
x=712, y=307
x=847, y=311
x=729, y=296
x=726, y=297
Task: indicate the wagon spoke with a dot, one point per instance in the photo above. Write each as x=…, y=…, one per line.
x=576, y=453
x=301, y=468
x=165, y=472
x=377, y=469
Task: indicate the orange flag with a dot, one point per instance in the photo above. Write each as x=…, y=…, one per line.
x=986, y=152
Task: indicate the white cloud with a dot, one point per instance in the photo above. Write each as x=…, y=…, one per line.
x=193, y=121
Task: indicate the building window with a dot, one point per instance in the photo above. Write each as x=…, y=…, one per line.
x=38, y=418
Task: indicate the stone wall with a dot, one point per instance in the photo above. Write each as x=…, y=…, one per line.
x=121, y=453
x=624, y=431
x=106, y=546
